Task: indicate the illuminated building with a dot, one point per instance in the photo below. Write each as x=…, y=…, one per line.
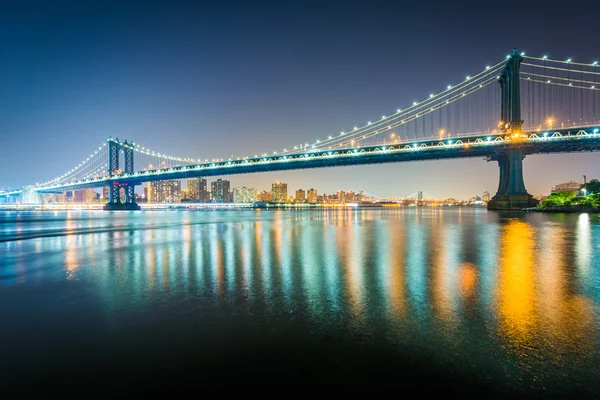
x=279, y=192
x=485, y=197
x=163, y=192
x=198, y=190
x=312, y=196
x=84, y=196
x=265, y=196
x=300, y=196
x=244, y=195
x=220, y=191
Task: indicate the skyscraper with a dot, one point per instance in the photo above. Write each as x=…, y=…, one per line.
x=198, y=190
x=300, y=196
x=220, y=191
x=279, y=191
x=312, y=196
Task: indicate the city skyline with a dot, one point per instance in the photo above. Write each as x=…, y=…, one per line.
x=236, y=109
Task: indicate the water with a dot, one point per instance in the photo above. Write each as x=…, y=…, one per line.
x=460, y=299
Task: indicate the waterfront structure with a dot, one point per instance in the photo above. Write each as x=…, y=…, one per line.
x=220, y=191
x=300, y=196
x=244, y=195
x=279, y=191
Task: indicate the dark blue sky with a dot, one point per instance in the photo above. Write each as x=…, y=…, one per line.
x=215, y=79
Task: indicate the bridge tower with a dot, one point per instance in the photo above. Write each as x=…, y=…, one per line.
x=115, y=200
x=511, y=194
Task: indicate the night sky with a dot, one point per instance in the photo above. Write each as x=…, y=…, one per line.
x=217, y=79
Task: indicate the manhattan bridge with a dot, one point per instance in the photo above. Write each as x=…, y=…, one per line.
x=519, y=106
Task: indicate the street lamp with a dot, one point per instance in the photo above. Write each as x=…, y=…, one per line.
x=550, y=121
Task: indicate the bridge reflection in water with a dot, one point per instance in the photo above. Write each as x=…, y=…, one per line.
x=512, y=297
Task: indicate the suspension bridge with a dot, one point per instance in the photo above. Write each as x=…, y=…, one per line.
x=519, y=106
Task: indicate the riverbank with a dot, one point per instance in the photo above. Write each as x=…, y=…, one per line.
x=563, y=209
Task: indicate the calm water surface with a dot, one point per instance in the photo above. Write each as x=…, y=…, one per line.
x=460, y=298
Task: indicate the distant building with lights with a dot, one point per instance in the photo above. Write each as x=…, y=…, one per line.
x=163, y=192
x=197, y=190
x=485, y=197
x=84, y=196
x=265, y=196
x=300, y=196
x=220, y=191
x=244, y=195
x=279, y=191
x=311, y=196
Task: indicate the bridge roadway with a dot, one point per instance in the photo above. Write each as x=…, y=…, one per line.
x=485, y=146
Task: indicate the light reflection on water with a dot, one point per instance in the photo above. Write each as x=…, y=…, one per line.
x=512, y=297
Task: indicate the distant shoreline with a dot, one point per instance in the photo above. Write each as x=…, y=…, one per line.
x=231, y=207
x=564, y=209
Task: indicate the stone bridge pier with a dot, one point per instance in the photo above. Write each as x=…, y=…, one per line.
x=511, y=194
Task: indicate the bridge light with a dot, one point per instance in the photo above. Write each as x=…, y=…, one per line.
x=595, y=63
x=468, y=77
x=594, y=87
x=355, y=128
x=449, y=141
x=595, y=130
x=431, y=95
x=523, y=53
x=487, y=67
x=570, y=84
x=383, y=117
x=415, y=103
x=399, y=110
x=545, y=58
x=329, y=137
x=508, y=56
x=545, y=134
x=548, y=81
x=449, y=87
x=568, y=60
x=369, y=123
x=489, y=138
x=415, y=145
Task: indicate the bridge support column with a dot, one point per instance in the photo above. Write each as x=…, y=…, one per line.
x=124, y=202
x=115, y=202
x=511, y=194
